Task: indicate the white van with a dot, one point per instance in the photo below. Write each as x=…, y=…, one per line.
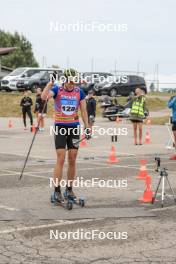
x=9, y=82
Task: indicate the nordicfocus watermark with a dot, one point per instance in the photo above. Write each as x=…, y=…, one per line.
x=81, y=78
x=81, y=234
x=95, y=131
x=92, y=26
x=80, y=182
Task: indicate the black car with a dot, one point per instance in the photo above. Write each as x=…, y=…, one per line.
x=39, y=79
x=122, y=88
x=90, y=79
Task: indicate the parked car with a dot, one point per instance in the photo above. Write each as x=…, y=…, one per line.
x=39, y=79
x=92, y=79
x=122, y=88
x=9, y=82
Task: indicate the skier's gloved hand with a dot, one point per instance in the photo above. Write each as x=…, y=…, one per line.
x=87, y=133
x=54, y=76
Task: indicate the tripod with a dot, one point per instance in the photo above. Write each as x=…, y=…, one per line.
x=163, y=178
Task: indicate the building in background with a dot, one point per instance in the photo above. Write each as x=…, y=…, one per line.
x=3, y=69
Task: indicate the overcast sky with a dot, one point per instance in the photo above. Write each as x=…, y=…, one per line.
x=150, y=37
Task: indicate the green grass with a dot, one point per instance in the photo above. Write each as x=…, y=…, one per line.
x=160, y=120
x=161, y=94
x=10, y=105
x=153, y=104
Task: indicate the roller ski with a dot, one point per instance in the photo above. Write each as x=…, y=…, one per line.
x=57, y=199
x=70, y=196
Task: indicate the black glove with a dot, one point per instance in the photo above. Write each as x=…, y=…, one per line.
x=53, y=76
x=87, y=133
x=91, y=119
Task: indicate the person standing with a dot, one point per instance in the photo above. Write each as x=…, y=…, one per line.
x=40, y=109
x=91, y=108
x=172, y=105
x=137, y=114
x=26, y=103
x=68, y=98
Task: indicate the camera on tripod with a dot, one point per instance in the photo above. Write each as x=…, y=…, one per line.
x=164, y=172
x=163, y=178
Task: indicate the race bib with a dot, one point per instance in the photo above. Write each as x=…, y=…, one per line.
x=68, y=106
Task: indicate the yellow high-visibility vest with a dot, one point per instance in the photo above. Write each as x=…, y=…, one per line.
x=138, y=107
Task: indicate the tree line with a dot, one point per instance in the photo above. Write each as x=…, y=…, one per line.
x=23, y=56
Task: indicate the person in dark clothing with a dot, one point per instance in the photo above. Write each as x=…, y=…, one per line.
x=91, y=108
x=26, y=103
x=40, y=109
x=172, y=105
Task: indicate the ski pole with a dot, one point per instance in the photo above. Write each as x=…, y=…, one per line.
x=80, y=140
x=33, y=139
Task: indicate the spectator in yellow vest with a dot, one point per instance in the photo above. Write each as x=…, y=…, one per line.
x=137, y=114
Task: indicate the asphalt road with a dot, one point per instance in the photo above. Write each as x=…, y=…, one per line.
x=27, y=218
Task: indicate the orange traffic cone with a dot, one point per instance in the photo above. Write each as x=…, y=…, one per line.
x=148, y=121
x=112, y=156
x=118, y=119
x=33, y=129
x=148, y=194
x=10, y=125
x=173, y=157
x=83, y=142
x=147, y=138
x=143, y=171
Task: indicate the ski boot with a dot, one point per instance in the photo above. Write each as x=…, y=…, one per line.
x=58, y=199
x=70, y=196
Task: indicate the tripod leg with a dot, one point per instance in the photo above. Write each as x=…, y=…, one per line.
x=154, y=198
x=165, y=187
x=162, y=193
x=171, y=189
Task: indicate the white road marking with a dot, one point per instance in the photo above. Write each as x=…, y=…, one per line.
x=113, y=166
x=5, y=173
x=126, y=166
x=106, y=151
x=164, y=208
x=31, y=173
x=23, y=155
x=59, y=223
x=25, y=174
x=36, y=176
x=15, y=154
x=8, y=208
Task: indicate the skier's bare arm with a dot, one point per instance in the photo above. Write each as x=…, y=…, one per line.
x=47, y=93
